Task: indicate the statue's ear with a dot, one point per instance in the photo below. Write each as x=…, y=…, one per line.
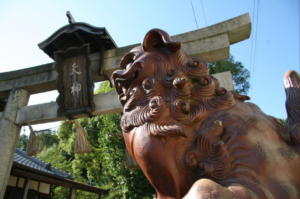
x=157, y=38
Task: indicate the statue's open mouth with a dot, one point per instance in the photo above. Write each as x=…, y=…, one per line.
x=122, y=80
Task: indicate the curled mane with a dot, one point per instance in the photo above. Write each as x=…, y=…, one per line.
x=183, y=83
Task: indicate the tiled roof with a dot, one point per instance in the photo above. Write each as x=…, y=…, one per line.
x=35, y=163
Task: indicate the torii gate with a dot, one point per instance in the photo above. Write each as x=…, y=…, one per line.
x=210, y=44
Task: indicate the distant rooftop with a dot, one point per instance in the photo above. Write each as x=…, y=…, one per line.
x=38, y=170
x=34, y=163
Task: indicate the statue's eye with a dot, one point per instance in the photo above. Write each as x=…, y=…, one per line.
x=147, y=84
x=171, y=73
x=194, y=62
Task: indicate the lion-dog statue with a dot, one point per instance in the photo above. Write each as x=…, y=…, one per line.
x=194, y=139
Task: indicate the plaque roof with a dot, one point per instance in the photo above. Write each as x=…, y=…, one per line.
x=75, y=35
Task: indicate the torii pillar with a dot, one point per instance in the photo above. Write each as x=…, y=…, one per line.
x=10, y=133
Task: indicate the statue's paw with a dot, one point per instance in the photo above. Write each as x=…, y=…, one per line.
x=208, y=189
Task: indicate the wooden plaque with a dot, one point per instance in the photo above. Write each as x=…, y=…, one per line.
x=74, y=82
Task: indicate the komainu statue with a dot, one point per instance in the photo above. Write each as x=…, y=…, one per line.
x=194, y=139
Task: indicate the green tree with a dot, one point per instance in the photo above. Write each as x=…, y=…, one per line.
x=22, y=143
x=58, y=159
x=240, y=74
x=104, y=87
x=46, y=139
x=105, y=164
x=130, y=183
x=282, y=121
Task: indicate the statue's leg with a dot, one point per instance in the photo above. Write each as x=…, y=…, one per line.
x=205, y=188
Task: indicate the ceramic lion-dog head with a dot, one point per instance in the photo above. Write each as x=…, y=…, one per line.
x=195, y=139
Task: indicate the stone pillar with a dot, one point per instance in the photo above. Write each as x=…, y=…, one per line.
x=9, y=134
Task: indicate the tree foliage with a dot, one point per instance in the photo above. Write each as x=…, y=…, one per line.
x=105, y=164
x=104, y=87
x=282, y=121
x=44, y=139
x=240, y=74
x=22, y=143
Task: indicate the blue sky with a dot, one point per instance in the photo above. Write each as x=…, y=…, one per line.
x=24, y=24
